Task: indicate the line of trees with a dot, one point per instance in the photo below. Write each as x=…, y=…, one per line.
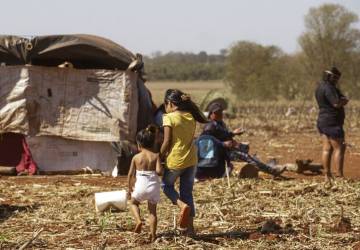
x=254, y=71
x=185, y=66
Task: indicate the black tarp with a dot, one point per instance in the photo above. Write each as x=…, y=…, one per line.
x=12, y=50
x=83, y=51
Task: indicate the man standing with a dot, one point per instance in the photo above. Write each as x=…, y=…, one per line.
x=330, y=121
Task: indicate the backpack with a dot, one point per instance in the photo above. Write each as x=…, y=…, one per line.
x=210, y=152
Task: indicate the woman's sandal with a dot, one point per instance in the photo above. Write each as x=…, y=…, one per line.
x=183, y=220
x=138, y=228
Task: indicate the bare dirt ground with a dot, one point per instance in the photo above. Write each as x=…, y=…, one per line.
x=300, y=213
x=288, y=147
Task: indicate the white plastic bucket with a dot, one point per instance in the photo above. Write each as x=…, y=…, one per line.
x=105, y=200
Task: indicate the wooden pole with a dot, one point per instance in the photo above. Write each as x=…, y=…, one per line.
x=227, y=176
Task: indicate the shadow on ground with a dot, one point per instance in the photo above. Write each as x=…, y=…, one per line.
x=6, y=210
x=270, y=230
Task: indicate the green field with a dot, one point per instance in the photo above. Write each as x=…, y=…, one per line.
x=197, y=89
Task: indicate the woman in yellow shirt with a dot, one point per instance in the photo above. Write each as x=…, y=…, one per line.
x=178, y=148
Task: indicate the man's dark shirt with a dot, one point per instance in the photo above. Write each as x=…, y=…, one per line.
x=219, y=130
x=326, y=96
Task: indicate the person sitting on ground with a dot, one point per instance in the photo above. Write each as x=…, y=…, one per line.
x=330, y=121
x=217, y=127
x=234, y=150
x=213, y=144
x=146, y=167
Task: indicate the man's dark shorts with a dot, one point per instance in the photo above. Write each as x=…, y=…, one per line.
x=335, y=132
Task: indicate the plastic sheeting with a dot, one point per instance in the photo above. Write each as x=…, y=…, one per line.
x=58, y=154
x=83, y=51
x=88, y=105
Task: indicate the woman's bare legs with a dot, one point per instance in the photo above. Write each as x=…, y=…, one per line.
x=326, y=158
x=341, y=163
x=339, y=151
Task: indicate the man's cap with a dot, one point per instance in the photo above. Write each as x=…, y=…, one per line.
x=215, y=107
x=333, y=71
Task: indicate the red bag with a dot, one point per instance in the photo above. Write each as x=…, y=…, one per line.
x=27, y=164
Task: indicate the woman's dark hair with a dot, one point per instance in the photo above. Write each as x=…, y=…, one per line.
x=145, y=138
x=184, y=103
x=332, y=74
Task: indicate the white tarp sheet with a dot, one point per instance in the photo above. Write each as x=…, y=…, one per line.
x=87, y=105
x=57, y=154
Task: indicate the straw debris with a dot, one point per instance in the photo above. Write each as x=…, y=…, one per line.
x=251, y=214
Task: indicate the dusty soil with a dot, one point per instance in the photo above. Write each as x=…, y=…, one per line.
x=286, y=148
x=227, y=218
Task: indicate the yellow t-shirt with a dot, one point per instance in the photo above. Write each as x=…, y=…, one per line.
x=182, y=150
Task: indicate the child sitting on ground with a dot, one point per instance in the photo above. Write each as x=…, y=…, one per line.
x=146, y=167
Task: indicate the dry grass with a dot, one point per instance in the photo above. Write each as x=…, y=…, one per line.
x=197, y=89
x=269, y=115
x=227, y=218
x=277, y=116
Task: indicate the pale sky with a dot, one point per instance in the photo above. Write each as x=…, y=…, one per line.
x=146, y=26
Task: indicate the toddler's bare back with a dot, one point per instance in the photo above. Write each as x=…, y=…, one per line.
x=146, y=160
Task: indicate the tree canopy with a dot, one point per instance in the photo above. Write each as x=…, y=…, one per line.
x=255, y=71
x=331, y=40
x=185, y=66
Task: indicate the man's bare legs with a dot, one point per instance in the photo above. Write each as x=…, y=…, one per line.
x=152, y=220
x=134, y=208
x=339, y=151
x=326, y=158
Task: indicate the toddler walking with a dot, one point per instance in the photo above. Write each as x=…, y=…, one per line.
x=146, y=167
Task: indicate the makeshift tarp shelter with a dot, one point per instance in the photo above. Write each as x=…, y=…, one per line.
x=70, y=116
x=83, y=51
